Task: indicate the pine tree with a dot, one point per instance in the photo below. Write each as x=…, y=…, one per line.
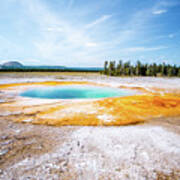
x=119, y=68
x=163, y=69
x=170, y=71
x=154, y=70
x=148, y=72
x=106, y=67
x=178, y=72
x=140, y=69
x=112, y=68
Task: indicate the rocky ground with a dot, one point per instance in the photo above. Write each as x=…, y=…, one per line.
x=138, y=152
x=146, y=151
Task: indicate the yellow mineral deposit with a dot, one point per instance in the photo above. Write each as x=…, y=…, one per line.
x=108, y=111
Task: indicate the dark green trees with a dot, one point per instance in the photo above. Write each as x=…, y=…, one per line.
x=178, y=72
x=112, y=68
x=106, y=67
x=140, y=69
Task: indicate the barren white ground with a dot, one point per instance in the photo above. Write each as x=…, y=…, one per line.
x=137, y=152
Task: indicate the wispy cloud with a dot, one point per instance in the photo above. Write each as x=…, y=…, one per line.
x=91, y=44
x=53, y=45
x=72, y=33
x=74, y=42
x=98, y=21
x=171, y=35
x=160, y=11
x=71, y=3
x=143, y=49
x=54, y=29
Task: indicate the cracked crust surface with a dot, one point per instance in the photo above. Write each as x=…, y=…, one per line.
x=137, y=152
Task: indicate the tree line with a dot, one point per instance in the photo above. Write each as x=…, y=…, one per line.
x=48, y=70
x=121, y=68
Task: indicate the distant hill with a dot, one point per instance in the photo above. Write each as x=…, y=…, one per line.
x=44, y=67
x=17, y=66
x=85, y=69
x=12, y=64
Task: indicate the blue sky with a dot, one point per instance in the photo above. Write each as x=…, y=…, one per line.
x=88, y=32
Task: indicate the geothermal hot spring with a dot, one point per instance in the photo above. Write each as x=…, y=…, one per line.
x=75, y=92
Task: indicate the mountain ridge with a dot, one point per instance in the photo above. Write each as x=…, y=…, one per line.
x=15, y=65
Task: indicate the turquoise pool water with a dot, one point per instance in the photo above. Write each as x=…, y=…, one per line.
x=75, y=92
